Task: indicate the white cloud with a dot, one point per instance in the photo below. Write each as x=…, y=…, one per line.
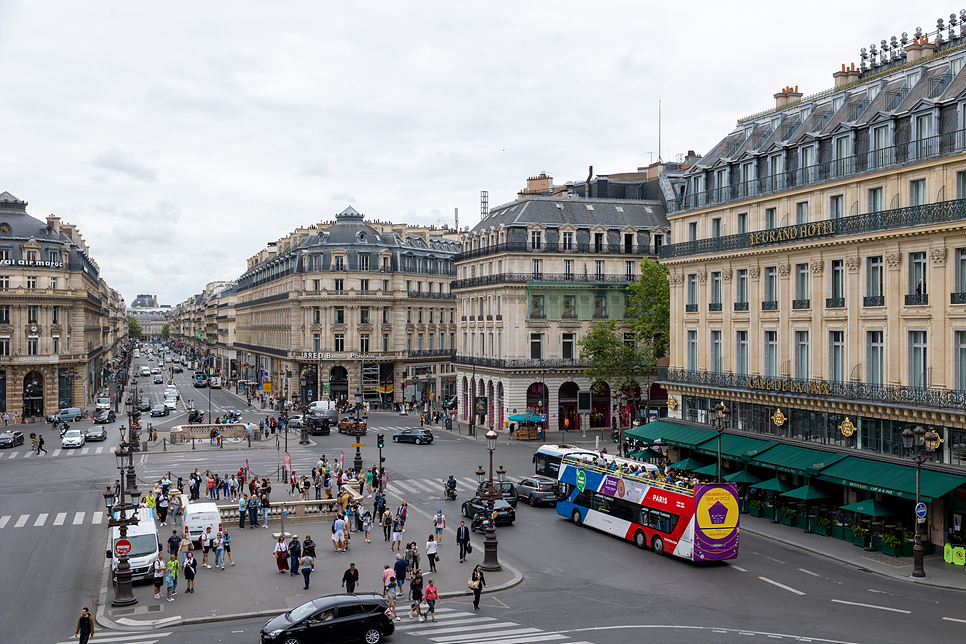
x=125, y=164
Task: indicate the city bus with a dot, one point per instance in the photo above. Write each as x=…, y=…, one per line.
x=699, y=524
x=200, y=379
x=546, y=461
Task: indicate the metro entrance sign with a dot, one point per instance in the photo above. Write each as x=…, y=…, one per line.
x=122, y=547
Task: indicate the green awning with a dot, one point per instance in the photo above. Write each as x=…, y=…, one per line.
x=869, y=507
x=687, y=465
x=653, y=431
x=890, y=478
x=733, y=447
x=774, y=485
x=743, y=477
x=796, y=460
x=806, y=493
x=645, y=453
x=710, y=470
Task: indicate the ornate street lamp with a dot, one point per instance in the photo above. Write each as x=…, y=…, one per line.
x=491, y=562
x=357, y=461
x=123, y=589
x=921, y=444
x=718, y=421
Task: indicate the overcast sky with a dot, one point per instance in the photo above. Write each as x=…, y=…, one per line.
x=183, y=136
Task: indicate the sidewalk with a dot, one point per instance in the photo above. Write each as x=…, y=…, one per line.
x=204, y=444
x=254, y=588
x=938, y=573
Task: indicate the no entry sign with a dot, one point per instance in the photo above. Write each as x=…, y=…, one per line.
x=122, y=547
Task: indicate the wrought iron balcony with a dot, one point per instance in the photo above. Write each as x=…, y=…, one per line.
x=873, y=300
x=714, y=306
x=931, y=397
x=558, y=247
x=907, y=217
x=690, y=308
x=430, y=353
x=431, y=296
x=769, y=305
x=835, y=302
x=741, y=306
x=957, y=298
x=917, y=299
x=523, y=278
x=801, y=304
x=520, y=363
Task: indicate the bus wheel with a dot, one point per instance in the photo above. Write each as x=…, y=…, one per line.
x=576, y=517
x=657, y=545
x=640, y=540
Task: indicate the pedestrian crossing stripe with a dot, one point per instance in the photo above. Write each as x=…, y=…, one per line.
x=453, y=626
x=123, y=638
x=96, y=518
x=84, y=451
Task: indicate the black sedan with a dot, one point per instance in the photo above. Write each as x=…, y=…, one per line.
x=144, y=404
x=11, y=438
x=95, y=433
x=413, y=435
x=105, y=416
x=334, y=618
x=505, y=514
x=177, y=369
x=159, y=410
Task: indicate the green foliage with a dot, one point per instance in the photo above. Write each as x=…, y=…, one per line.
x=756, y=504
x=891, y=540
x=788, y=512
x=649, y=310
x=165, y=331
x=859, y=532
x=134, y=327
x=825, y=522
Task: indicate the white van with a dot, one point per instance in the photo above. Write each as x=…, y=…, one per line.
x=320, y=406
x=145, y=371
x=145, y=546
x=200, y=516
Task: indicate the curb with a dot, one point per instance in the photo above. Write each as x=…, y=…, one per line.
x=815, y=551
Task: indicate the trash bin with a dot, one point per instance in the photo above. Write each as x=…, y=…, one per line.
x=448, y=423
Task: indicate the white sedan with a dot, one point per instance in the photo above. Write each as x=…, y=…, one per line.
x=73, y=438
x=171, y=404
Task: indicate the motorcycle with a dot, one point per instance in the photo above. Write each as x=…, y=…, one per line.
x=478, y=524
x=196, y=416
x=449, y=493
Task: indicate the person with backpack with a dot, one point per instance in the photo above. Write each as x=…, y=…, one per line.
x=402, y=513
x=416, y=595
x=387, y=525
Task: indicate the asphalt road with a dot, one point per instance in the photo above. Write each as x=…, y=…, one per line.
x=580, y=585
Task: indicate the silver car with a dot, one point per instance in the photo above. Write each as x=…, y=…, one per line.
x=538, y=490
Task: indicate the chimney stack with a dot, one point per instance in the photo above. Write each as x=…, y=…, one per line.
x=848, y=74
x=920, y=48
x=786, y=96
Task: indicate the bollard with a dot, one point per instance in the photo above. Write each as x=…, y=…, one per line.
x=192, y=443
x=164, y=444
x=221, y=442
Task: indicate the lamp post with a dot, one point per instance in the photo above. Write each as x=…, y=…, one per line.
x=491, y=562
x=718, y=421
x=123, y=589
x=357, y=461
x=921, y=444
x=620, y=424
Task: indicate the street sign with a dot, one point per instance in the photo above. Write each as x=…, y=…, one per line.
x=358, y=444
x=921, y=510
x=543, y=417
x=122, y=547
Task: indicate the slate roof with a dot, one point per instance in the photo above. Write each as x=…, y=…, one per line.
x=556, y=211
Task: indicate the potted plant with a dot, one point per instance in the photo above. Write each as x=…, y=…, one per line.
x=823, y=526
x=891, y=545
x=755, y=508
x=859, y=535
x=788, y=516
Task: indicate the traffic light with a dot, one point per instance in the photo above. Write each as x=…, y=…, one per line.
x=381, y=440
x=616, y=436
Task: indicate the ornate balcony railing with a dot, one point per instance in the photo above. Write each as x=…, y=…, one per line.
x=835, y=302
x=907, y=217
x=932, y=397
x=801, y=304
x=523, y=278
x=741, y=306
x=558, y=247
x=714, y=306
x=690, y=308
x=431, y=296
x=520, y=363
x=431, y=353
x=917, y=299
x=873, y=300
x=957, y=298
x=769, y=305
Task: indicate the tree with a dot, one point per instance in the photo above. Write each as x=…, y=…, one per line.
x=649, y=310
x=134, y=327
x=165, y=331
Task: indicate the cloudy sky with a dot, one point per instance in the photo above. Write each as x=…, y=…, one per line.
x=183, y=136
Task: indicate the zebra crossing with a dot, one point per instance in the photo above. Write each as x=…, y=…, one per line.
x=121, y=637
x=74, y=451
x=456, y=626
x=11, y=521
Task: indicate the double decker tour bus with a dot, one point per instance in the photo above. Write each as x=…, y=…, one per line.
x=546, y=460
x=699, y=524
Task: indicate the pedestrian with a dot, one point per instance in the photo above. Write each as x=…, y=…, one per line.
x=175, y=508
x=317, y=483
x=40, y=444
x=205, y=546
x=281, y=555
x=149, y=503
x=367, y=526
x=387, y=525
x=432, y=595
x=185, y=545
x=190, y=568
x=350, y=578
x=307, y=565
x=432, y=547
x=340, y=538
x=402, y=513
x=477, y=584
x=218, y=545
x=294, y=554
x=85, y=624
x=397, y=531
x=242, y=509
x=369, y=484
x=169, y=581
x=462, y=539
x=174, y=571
x=308, y=546
x=439, y=523
x=163, y=508
x=174, y=543
x=226, y=541
x=399, y=568
x=252, y=513
x=266, y=505
x=159, y=570
x=385, y=480
x=416, y=596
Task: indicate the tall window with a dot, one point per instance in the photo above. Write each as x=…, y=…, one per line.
x=771, y=354
x=316, y=342
x=32, y=346
x=4, y=282
x=917, y=192
x=4, y=346
x=741, y=353
x=837, y=279
x=874, y=276
x=692, y=350
x=716, y=287
x=960, y=190
x=875, y=199
x=567, y=350
x=842, y=165
x=536, y=240
x=570, y=307
x=385, y=342
x=339, y=284
x=801, y=281
x=771, y=284
x=716, y=351
x=340, y=342
x=599, y=268
x=537, y=268
x=716, y=227
x=569, y=268
x=536, y=346
x=339, y=315
x=568, y=241
x=33, y=315
x=918, y=362
x=835, y=207
x=741, y=285
x=875, y=349
x=629, y=270
x=960, y=270
x=364, y=315
x=363, y=262
x=693, y=231
x=598, y=242
x=55, y=315
x=927, y=145
x=56, y=340
x=801, y=355
x=836, y=356
x=364, y=285
x=880, y=139
x=801, y=212
x=32, y=282
x=385, y=315
x=364, y=343
x=917, y=273
x=960, y=348
x=742, y=223
x=693, y=289
x=771, y=216
x=339, y=262
x=4, y=314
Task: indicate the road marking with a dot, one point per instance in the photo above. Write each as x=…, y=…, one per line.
x=463, y=629
x=543, y=637
x=894, y=610
x=455, y=621
x=406, y=488
x=13, y=454
x=85, y=450
x=59, y=519
x=153, y=637
x=738, y=568
x=471, y=483
x=96, y=518
x=775, y=583
x=809, y=572
x=41, y=519
x=953, y=619
x=79, y=518
x=56, y=452
x=419, y=485
x=99, y=450
x=4, y=520
x=22, y=521
x=28, y=454
x=452, y=639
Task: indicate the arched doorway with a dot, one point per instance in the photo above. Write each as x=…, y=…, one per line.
x=33, y=394
x=338, y=384
x=600, y=405
x=567, y=405
x=538, y=397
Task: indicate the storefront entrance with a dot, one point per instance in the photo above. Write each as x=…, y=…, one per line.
x=567, y=406
x=33, y=394
x=338, y=384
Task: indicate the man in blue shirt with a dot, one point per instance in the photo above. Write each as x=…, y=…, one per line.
x=174, y=543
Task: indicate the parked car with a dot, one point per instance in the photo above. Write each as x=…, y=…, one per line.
x=73, y=438
x=508, y=489
x=159, y=410
x=11, y=438
x=295, y=422
x=95, y=433
x=352, y=426
x=413, y=435
x=333, y=618
x=72, y=414
x=505, y=515
x=144, y=404
x=105, y=416
x=538, y=489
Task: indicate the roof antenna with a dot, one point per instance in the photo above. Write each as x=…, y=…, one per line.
x=659, y=131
